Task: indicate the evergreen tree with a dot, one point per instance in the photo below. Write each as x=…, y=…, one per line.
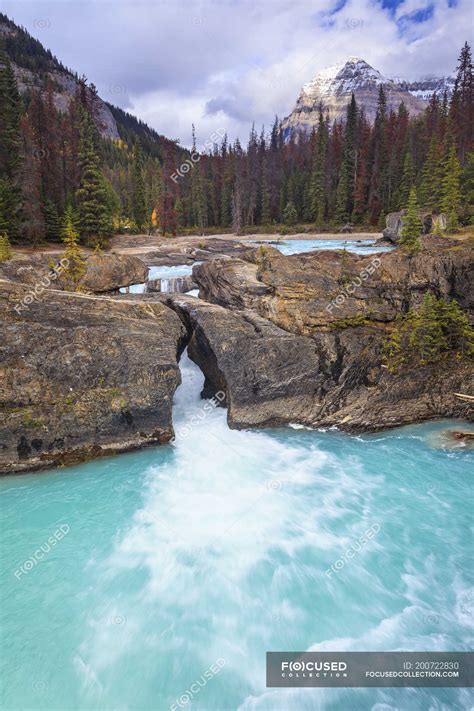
x=139, y=207
x=52, y=221
x=451, y=199
x=318, y=175
x=95, y=217
x=10, y=201
x=5, y=249
x=198, y=195
x=345, y=188
x=265, y=213
x=75, y=267
x=462, y=105
x=180, y=216
x=411, y=229
x=407, y=182
x=290, y=216
x=432, y=176
x=429, y=333
x=33, y=224
x=378, y=193
x=467, y=187
x=237, y=221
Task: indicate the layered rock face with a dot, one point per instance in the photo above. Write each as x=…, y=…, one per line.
x=83, y=376
x=107, y=272
x=265, y=372
x=103, y=272
x=339, y=306
x=289, y=339
x=332, y=88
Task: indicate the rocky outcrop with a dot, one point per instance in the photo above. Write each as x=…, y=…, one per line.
x=339, y=307
x=269, y=376
x=289, y=339
x=307, y=293
x=108, y=272
x=394, y=224
x=393, y=228
x=83, y=376
x=184, y=250
x=103, y=271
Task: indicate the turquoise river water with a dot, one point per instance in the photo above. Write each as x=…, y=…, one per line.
x=215, y=549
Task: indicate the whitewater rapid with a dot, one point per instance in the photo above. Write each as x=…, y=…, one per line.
x=209, y=552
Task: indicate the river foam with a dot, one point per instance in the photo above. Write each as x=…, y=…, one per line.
x=225, y=545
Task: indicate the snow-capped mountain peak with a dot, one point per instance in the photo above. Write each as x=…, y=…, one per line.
x=333, y=86
x=342, y=77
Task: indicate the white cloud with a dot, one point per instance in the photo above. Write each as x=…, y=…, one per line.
x=230, y=62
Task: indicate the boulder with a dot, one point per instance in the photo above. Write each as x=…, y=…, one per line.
x=109, y=272
x=394, y=224
x=104, y=271
x=347, y=228
x=35, y=270
x=83, y=376
x=434, y=223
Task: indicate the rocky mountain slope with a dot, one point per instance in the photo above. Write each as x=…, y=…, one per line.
x=36, y=67
x=331, y=89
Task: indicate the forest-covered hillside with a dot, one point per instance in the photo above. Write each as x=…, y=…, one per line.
x=59, y=157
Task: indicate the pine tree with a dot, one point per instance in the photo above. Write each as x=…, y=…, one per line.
x=345, y=188
x=432, y=176
x=75, y=267
x=198, y=194
x=95, y=217
x=33, y=225
x=139, y=207
x=237, y=221
x=52, y=221
x=428, y=333
x=318, y=174
x=10, y=200
x=451, y=194
x=359, y=213
x=265, y=213
x=378, y=191
x=467, y=187
x=407, y=181
x=180, y=216
x=411, y=229
x=461, y=111
x=290, y=216
x=5, y=249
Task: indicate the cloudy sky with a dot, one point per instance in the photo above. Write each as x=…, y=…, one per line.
x=226, y=63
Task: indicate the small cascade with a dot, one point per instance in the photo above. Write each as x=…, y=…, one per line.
x=171, y=285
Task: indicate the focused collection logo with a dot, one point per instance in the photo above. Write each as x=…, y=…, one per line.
x=311, y=668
